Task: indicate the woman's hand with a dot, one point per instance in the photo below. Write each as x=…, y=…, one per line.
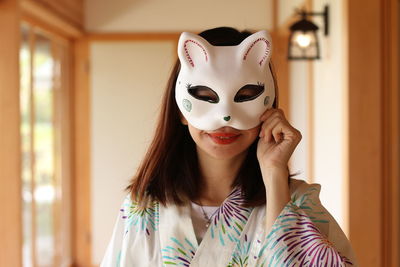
x=278, y=140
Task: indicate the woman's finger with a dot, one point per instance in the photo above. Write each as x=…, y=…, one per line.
x=269, y=121
x=266, y=114
x=287, y=132
x=269, y=127
x=267, y=124
x=271, y=113
x=278, y=133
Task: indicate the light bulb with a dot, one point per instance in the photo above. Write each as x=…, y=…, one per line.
x=303, y=39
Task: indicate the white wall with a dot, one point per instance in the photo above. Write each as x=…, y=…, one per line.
x=298, y=103
x=175, y=15
x=127, y=81
x=286, y=10
x=330, y=117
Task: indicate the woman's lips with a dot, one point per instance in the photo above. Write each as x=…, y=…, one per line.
x=224, y=138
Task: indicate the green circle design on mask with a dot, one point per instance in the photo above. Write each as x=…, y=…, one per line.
x=187, y=105
x=227, y=118
x=266, y=100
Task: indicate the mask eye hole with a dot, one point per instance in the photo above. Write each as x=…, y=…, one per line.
x=203, y=93
x=249, y=92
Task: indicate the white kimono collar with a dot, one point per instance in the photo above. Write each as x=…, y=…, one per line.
x=178, y=240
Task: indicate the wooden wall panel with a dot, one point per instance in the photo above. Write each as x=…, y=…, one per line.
x=373, y=131
x=391, y=115
x=365, y=135
x=10, y=182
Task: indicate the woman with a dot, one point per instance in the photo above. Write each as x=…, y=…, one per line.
x=214, y=188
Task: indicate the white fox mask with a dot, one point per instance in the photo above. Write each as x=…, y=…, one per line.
x=221, y=86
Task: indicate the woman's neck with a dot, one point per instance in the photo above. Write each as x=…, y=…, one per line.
x=217, y=177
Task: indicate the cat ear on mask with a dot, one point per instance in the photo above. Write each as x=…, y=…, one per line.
x=256, y=48
x=193, y=50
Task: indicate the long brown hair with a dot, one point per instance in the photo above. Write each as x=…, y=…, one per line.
x=169, y=171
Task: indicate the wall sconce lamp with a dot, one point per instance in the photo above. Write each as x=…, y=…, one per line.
x=303, y=39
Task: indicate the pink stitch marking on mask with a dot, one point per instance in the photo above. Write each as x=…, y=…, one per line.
x=187, y=51
x=267, y=49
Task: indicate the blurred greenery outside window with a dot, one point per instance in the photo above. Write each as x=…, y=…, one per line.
x=40, y=71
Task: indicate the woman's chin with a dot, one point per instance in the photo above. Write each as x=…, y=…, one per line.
x=222, y=152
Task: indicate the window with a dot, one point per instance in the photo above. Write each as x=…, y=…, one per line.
x=44, y=76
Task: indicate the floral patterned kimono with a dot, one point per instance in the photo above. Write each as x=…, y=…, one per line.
x=304, y=234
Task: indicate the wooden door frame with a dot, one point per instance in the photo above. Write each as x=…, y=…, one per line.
x=10, y=158
x=373, y=131
x=81, y=221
